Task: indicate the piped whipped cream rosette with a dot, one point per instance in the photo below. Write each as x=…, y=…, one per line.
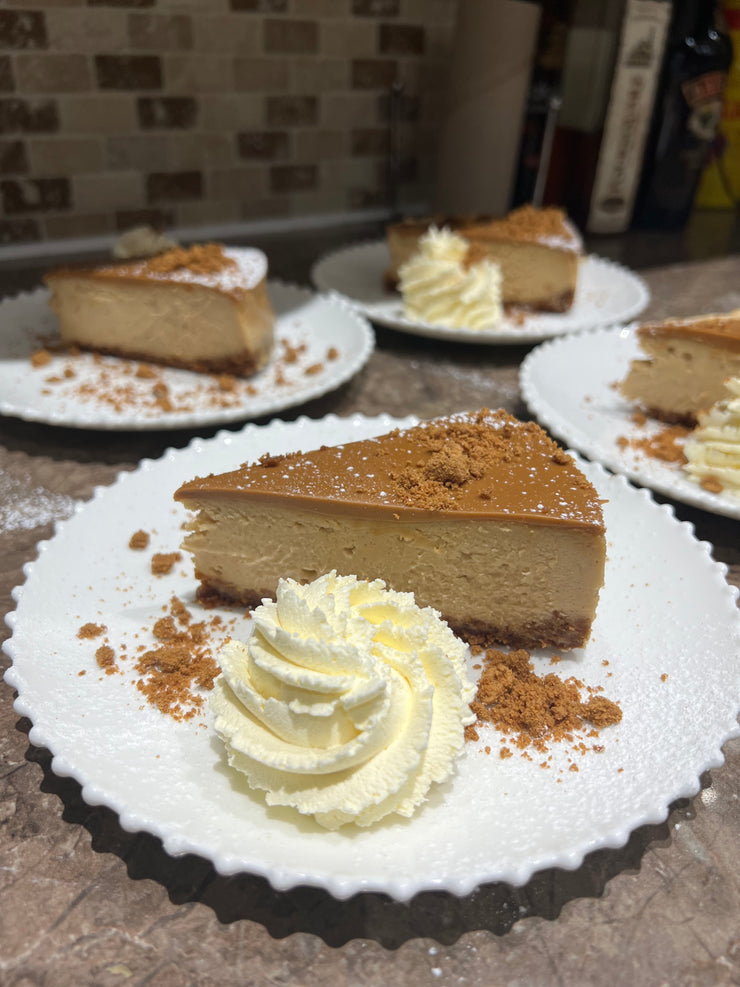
x=712, y=450
x=347, y=702
x=447, y=283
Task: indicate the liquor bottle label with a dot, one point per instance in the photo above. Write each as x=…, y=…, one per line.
x=641, y=48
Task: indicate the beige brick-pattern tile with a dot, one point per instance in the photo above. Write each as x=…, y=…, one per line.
x=291, y=36
x=167, y=112
x=138, y=152
x=320, y=9
x=115, y=112
x=244, y=181
x=207, y=213
x=22, y=29
x=61, y=227
x=122, y=3
x=358, y=36
x=402, y=39
x=13, y=157
x=373, y=73
x=65, y=155
x=229, y=112
x=47, y=3
x=319, y=144
x=260, y=6
x=190, y=151
x=318, y=201
x=7, y=78
x=173, y=186
x=318, y=75
x=264, y=145
x=293, y=177
x=46, y=73
x=86, y=31
x=28, y=116
x=227, y=35
x=266, y=207
x=159, y=218
x=429, y=11
x=19, y=231
x=29, y=195
x=95, y=193
x=376, y=8
x=291, y=111
x=158, y=32
x=112, y=113
x=261, y=74
x=341, y=111
x=189, y=74
x=128, y=71
x=370, y=141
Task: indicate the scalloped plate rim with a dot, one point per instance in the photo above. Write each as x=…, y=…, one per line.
x=345, y=885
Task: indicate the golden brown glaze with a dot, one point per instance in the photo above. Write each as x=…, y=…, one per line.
x=529, y=224
x=202, y=265
x=715, y=330
x=485, y=465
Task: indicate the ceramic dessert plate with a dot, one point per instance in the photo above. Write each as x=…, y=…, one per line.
x=606, y=293
x=320, y=344
x=568, y=384
x=665, y=607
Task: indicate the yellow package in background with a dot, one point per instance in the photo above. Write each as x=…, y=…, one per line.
x=719, y=187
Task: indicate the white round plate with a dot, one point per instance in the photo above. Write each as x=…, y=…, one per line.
x=606, y=293
x=568, y=384
x=87, y=391
x=664, y=645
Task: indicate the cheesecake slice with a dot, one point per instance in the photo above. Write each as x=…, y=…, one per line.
x=685, y=365
x=203, y=308
x=481, y=516
x=538, y=251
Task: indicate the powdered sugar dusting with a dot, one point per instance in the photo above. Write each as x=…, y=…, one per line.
x=248, y=269
x=22, y=509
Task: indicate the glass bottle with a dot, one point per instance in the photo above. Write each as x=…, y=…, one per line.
x=686, y=116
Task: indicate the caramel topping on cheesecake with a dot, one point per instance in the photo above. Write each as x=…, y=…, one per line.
x=549, y=226
x=472, y=465
x=204, y=264
x=203, y=258
x=715, y=330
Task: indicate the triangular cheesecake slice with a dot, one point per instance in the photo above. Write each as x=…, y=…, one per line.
x=481, y=516
x=684, y=365
x=537, y=250
x=202, y=308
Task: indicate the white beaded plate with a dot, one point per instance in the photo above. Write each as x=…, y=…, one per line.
x=606, y=293
x=664, y=645
x=313, y=325
x=568, y=384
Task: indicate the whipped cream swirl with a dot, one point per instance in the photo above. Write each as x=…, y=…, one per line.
x=347, y=702
x=712, y=450
x=440, y=285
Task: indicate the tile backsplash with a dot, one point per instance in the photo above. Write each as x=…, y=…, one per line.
x=194, y=113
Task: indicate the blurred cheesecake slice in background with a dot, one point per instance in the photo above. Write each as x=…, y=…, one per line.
x=538, y=251
x=203, y=308
x=684, y=366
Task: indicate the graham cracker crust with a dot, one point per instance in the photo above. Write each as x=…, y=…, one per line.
x=557, y=631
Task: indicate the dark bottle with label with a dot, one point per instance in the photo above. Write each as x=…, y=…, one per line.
x=686, y=117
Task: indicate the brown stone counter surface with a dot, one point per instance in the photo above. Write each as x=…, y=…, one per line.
x=82, y=902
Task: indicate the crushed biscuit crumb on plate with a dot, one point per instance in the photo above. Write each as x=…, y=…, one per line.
x=320, y=344
x=569, y=386
x=664, y=606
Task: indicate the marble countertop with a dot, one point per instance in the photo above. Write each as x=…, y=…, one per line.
x=84, y=902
